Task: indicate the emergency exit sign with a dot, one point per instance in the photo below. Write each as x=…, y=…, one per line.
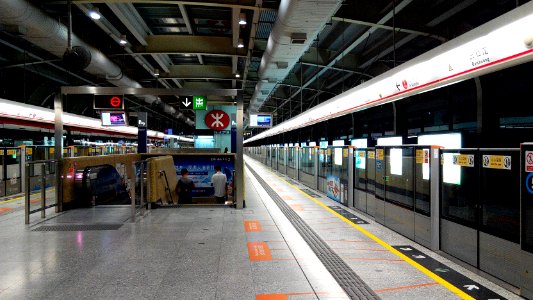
x=199, y=102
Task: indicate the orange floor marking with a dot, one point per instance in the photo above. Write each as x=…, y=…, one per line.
x=35, y=201
x=297, y=207
x=259, y=251
x=287, y=197
x=252, y=226
x=272, y=297
x=406, y=287
x=5, y=209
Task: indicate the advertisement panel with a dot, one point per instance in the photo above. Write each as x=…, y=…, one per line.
x=201, y=169
x=334, y=187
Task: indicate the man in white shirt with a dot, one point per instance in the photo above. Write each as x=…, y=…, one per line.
x=218, y=181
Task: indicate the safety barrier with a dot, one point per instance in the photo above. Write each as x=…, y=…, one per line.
x=45, y=168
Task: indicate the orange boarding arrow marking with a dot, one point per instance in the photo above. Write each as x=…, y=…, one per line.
x=259, y=251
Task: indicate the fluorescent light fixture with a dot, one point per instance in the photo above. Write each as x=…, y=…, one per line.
x=240, y=44
x=123, y=40
x=488, y=48
x=237, y=75
x=390, y=141
x=359, y=143
x=242, y=19
x=95, y=14
x=156, y=72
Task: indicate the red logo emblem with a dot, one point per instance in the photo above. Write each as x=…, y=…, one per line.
x=217, y=120
x=404, y=83
x=115, y=101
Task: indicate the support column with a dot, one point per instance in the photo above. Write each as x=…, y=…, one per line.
x=435, y=197
x=58, y=148
x=239, y=159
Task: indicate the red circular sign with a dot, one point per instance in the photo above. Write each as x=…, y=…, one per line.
x=217, y=120
x=115, y=101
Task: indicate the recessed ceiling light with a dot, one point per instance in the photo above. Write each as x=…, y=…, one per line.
x=242, y=19
x=237, y=75
x=123, y=40
x=240, y=44
x=95, y=14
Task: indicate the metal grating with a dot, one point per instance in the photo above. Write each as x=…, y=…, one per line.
x=348, y=215
x=352, y=284
x=78, y=227
x=310, y=193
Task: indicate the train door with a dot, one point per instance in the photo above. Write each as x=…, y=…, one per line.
x=422, y=195
x=360, y=180
x=12, y=171
x=399, y=189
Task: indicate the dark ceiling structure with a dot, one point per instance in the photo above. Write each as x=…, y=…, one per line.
x=219, y=44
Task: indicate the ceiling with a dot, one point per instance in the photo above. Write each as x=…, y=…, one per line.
x=193, y=45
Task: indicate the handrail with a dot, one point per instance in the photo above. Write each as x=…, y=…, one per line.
x=167, y=188
x=143, y=166
x=42, y=180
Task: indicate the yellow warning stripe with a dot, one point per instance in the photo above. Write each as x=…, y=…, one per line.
x=22, y=197
x=418, y=266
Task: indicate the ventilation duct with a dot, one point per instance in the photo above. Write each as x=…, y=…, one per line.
x=299, y=21
x=50, y=35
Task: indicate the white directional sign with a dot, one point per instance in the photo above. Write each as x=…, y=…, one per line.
x=185, y=102
x=471, y=287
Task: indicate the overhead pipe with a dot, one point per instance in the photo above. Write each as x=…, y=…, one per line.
x=52, y=36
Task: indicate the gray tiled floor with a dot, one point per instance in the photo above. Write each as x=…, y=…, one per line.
x=194, y=253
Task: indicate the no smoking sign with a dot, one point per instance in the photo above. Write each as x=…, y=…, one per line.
x=529, y=161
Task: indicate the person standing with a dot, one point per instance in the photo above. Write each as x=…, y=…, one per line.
x=218, y=181
x=184, y=187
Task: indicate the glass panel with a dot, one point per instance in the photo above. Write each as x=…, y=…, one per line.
x=500, y=194
x=360, y=169
x=422, y=182
x=459, y=186
x=399, y=176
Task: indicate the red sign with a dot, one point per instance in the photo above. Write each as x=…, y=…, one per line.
x=217, y=120
x=115, y=101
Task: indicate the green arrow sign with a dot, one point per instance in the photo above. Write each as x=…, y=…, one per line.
x=199, y=102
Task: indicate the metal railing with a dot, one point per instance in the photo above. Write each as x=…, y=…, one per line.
x=42, y=180
x=141, y=205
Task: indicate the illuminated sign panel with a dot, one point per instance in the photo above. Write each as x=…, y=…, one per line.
x=114, y=118
x=261, y=120
x=109, y=102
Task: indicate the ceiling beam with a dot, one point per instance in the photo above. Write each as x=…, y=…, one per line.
x=172, y=2
x=76, y=90
x=438, y=20
x=187, y=22
x=200, y=71
x=386, y=27
x=179, y=44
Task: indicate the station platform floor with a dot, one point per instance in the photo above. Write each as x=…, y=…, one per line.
x=286, y=244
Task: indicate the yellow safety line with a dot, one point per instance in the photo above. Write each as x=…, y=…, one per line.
x=20, y=198
x=418, y=266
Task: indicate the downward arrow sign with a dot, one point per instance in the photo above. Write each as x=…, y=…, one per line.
x=471, y=287
x=186, y=103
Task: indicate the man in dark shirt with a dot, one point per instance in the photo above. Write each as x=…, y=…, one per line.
x=184, y=187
